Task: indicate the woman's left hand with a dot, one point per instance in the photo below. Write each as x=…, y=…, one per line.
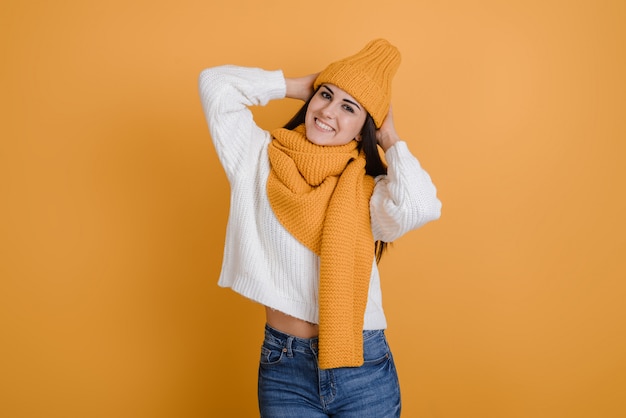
x=386, y=135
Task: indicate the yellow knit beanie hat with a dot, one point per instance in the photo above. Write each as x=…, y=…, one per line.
x=366, y=76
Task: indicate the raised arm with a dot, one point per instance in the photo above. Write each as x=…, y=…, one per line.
x=405, y=198
x=226, y=93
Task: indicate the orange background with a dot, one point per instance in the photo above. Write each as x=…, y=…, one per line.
x=114, y=205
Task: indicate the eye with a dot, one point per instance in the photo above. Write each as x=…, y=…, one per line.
x=325, y=95
x=348, y=108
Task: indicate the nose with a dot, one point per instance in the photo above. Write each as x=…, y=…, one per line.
x=329, y=111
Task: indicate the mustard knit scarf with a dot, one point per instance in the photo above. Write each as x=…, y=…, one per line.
x=321, y=196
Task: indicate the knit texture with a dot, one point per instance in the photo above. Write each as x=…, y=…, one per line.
x=366, y=76
x=321, y=196
x=262, y=261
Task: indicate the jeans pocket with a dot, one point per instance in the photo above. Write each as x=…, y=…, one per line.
x=377, y=360
x=376, y=350
x=271, y=355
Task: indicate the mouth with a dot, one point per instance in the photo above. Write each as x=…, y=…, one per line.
x=324, y=127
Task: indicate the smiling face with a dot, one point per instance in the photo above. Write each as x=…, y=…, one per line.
x=333, y=117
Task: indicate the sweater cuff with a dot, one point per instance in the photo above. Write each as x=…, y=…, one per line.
x=277, y=84
x=398, y=153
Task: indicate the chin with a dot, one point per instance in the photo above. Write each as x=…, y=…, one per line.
x=314, y=138
x=315, y=141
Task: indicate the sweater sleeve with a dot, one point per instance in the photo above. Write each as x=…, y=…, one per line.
x=405, y=198
x=226, y=92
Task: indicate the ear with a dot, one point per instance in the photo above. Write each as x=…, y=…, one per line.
x=358, y=138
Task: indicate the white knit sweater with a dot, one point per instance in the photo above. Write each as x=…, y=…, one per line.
x=263, y=261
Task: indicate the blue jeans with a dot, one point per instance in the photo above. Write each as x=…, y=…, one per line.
x=291, y=385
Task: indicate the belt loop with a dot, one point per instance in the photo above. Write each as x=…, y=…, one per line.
x=314, y=345
x=288, y=347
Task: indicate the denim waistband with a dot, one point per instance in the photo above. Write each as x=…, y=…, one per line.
x=304, y=345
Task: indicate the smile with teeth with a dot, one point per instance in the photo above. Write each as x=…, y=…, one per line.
x=323, y=126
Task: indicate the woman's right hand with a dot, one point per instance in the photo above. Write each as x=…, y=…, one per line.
x=300, y=87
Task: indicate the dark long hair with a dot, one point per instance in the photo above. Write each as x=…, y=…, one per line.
x=374, y=165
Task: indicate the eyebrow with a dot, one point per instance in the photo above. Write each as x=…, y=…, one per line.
x=345, y=100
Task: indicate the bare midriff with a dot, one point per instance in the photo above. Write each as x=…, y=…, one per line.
x=290, y=325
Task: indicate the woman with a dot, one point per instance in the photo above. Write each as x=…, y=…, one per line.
x=312, y=206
